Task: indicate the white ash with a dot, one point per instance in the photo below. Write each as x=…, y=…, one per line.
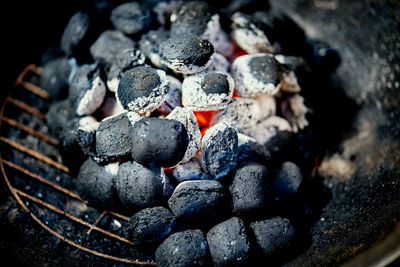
x=268, y=128
x=195, y=98
x=178, y=67
x=267, y=105
x=241, y=113
x=188, y=119
x=289, y=82
x=249, y=84
x=294, y=110
x=113, y=80
x=88, y=124
x=248, y=36
x=174, y=96
x=293, y=63
x=112, y=168
x=219, y=63
x=190, y=170
x=133, y=117
x=223, y=44
x=92, y=99
x=244, y=139
x=111, y=107
x=212, y=29
x=165, y=9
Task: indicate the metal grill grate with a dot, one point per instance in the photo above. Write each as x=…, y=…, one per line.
x=7, y=165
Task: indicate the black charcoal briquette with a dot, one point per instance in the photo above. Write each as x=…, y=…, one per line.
x=158, y=141
x=74, y=33
x=54, y=78
x=287, y=180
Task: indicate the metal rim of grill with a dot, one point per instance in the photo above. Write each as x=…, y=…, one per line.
x=21, y=195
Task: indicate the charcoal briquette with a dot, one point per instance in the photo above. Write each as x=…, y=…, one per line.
x=142, y=89
x=251, y=188
x=220, y=148
x=187, y=54
x=266, y=129
x=183, y=249
x=250, y=150
x=158, y=142
x=54, y=78
x=174, y=96
x=149, y=45
x=190, y=170
x=74, y=33
x=229, y=244
x=273, y=235
x=198, y=201
x=138, y=186
x=95, y=183
x=150, y=226
x=207, y=91
x=109, y=45
x=287, y=180
x=131, y=18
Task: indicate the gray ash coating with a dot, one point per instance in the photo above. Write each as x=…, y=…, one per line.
x=74, y=32
x=198, y=201
x=138, y=186
x=191, y=18
x=131, y=18
x=250, y=188
x=287, y=180
x=158, y=141
x=149, y=45
x=129, y=58
x=266, y=69
x=55, y=76
x=215, y=83
x=113, y=137
x=95, y=184
x=273, y=235
x=109, y=44
x=186, y=52
x=150, y=226
x=229, y=244
x=187, y=248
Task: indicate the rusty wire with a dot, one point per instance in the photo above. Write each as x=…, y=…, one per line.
x=18, y=193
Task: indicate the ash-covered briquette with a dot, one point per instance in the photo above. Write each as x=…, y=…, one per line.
x=229, y=244
x=240, y=113
x=223, y=44
x=142, y=89
x=256, y=74
x=251, y=188
x=287, y=180
x=158, y=142
x=58, y=115
x=195, y=18
x=150, y=226
x=190, y=170
x=186, y=54
x=294, y=111
x=54, y=78
x=198, y=201
x=207, y=91
x=250, y=150
x=273, y=235
x=164, y=9
x=219, y=150
x=174, y=96
x=74, y=33
x=218, y=64
x=110, y=43
x=137, y=186
x=249, y=36
x=188, y=119
x=267, y=106
x=87, y=89
x=266, y=129
x=113, y=136
x=149, y=45
x=131, y=18
x=183, y=249
x=86, y=136
x=95, y=183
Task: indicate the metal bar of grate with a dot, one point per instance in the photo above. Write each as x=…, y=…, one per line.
x=35, y=112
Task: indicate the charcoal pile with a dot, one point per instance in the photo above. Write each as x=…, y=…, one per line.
x=192, y=118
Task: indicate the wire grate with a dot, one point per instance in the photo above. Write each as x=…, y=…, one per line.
x=23, y=197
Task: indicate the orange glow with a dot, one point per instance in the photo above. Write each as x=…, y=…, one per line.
x=204, y=130
x=203, y=117
x=235, y=95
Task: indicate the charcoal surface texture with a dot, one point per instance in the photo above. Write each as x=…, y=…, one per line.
x=287, y=180
x=73, y=37
x=187, y=248
x=159, y=142
x=151, y=226
x=229, y=243
x=54, y=78
x=131, y=18
x=138, y=186
x=273, y=235
x=188, y=54
x=250, y=188
x=198, y=201
x=95, y=183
